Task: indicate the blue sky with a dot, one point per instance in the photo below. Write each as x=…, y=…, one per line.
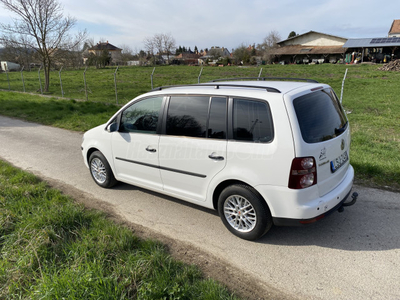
x=206, y=23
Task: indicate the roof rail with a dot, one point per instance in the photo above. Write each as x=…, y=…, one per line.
x=265, y=78
x=218, y=85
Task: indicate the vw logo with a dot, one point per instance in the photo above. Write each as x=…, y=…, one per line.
x=342, y=145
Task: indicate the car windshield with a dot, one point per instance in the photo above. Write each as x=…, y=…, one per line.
x=320, y=116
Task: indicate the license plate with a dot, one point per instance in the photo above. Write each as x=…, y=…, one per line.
x=338, y=162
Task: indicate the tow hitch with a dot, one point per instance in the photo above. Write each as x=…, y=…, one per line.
x=354, y=197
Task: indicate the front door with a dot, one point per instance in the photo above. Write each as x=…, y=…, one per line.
x=135, y=145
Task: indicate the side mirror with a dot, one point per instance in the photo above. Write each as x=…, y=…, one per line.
x=113, y=127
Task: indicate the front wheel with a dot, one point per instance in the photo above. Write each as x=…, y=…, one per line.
x=244, y=212
x=101, y=171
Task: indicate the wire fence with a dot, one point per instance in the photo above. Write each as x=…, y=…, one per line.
x=121, y=84
x=113, y=85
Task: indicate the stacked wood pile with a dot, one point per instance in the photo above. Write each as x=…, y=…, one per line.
x=392, y=66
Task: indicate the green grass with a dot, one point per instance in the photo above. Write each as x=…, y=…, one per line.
x=69, y=114
x=52, y=248
x=372, y=97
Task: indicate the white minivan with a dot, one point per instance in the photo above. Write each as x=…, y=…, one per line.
x=261, y=152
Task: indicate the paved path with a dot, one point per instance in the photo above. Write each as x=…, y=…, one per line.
x=352, y=255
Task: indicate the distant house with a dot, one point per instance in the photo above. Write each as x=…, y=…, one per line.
x=187, y=58
x=214, y=54
x=114, y=52
x=395, y=29
x=309, y=47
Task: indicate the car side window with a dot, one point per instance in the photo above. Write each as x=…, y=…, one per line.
x=187, y=116
x=142, y=116
x=252, y=121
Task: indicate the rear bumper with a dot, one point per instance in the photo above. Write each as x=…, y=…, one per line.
x=300, y=222
x=294, y=207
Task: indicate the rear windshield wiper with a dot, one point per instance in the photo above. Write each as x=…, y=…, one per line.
x=340, y=130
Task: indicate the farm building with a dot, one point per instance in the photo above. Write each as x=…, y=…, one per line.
x=376, y=50
x=309, y=47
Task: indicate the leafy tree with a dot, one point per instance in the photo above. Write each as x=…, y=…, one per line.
x=292, y=34
x=42, y=27
x=241, y=55
x=178, y=50
x=105, y=58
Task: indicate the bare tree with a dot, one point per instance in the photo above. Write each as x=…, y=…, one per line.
x=127, y=53
x=269, y=42
x=42, y=27
x=160, y=43
x=149, y=47
x=169, y=44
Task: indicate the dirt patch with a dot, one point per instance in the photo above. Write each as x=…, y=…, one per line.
x=244, y=285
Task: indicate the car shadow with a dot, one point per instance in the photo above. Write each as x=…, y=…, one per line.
x=366, y=226
x=127, y=187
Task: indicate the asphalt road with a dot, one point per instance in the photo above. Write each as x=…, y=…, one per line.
x=349, y=255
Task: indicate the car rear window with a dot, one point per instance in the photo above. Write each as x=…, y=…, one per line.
x=320, y=116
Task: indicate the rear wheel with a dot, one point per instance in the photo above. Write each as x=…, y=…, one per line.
x=101, y=171
x=244, y=212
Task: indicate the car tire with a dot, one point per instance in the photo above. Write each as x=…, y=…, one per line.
x=244, y=212
x=101, y=171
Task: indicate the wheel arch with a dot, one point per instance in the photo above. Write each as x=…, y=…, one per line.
x=220, y=187
x=90, y=151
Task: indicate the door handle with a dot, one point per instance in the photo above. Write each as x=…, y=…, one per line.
x=214, y=157
x=151, y=149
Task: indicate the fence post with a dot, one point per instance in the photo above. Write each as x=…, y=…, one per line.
x=8, y=80
x=341, y=93
x=151, y=77
x=259, y=74
x=84, y=80
x=40, y=81
x=59, y=75
x=22, y=77
x=198, y=79
x=115, y=83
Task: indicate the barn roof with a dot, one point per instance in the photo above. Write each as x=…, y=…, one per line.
x=373, y=42
x=104, y=46
x=299, y=49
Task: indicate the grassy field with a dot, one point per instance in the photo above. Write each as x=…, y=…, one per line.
x=371, y=97
x=53, y=248
x=133, y=81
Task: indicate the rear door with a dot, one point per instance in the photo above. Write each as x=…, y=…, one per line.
x=325, y=135
x=193, y=148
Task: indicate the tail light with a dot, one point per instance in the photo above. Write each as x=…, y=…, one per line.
x=303, y=173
